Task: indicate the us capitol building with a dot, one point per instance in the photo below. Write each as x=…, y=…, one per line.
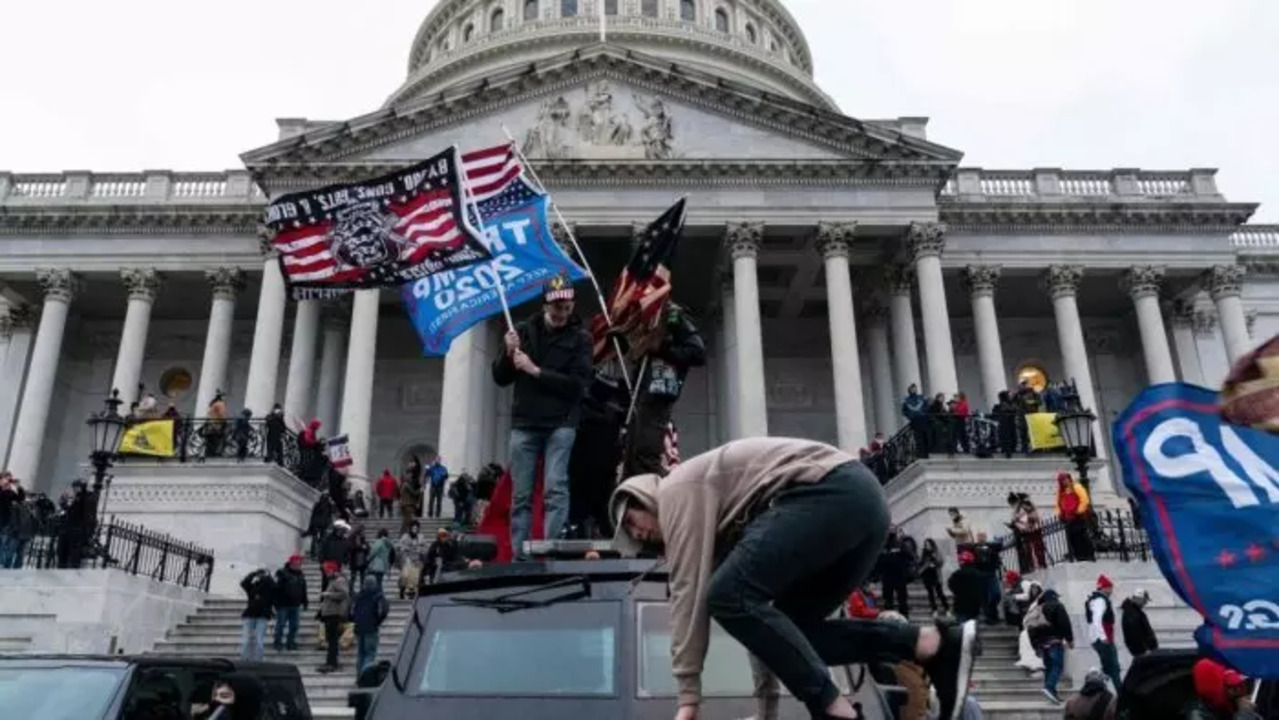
x=830, y=261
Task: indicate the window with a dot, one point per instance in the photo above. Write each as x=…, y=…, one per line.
x=530, y=9
x=443, y=45
x=40, y=692
x=468, y=32
x=727, y=672
x=751, y=34
x=610, y=7
x=721, y=20
x=688, y=10
x=175, y=382
x=648, y=8
x=772, y=44
x=1034, y=376
x=569, y=649
x=568, y=8
x=496, y=20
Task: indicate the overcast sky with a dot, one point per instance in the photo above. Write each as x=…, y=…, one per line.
x=1161, y=84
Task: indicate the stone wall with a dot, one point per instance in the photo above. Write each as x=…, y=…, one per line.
x=88, y=611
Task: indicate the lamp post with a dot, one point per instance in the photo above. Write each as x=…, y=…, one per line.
x=1075, y=428
x=107, y=427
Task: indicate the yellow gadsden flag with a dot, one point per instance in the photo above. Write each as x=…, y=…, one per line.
x=1043, y=432
x=153, y=438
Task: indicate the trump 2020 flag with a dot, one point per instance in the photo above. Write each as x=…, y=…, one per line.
x=339, y=451
x=525, y=256
x=380, y=233
x=1209, y=498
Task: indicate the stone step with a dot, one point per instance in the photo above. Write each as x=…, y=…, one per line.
x=197, y=633
x=1018, y=710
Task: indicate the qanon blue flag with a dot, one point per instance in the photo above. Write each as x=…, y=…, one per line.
x=1208, y=493
x=525, y=255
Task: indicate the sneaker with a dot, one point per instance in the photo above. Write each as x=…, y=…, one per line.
x=951, y=669
x=1052, y=696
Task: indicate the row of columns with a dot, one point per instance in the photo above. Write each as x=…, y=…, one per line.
x=893, y=370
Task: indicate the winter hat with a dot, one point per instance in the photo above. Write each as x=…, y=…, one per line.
x=1011, y=577
x=559, y=287
x=1141, y=594
x=967, y=557
x=295, y=559
x=330, y=567
x=1104, y=583
x=643, y=490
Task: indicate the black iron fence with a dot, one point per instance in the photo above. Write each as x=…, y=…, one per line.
x=1104, y=535
x=197, y=440
x=57, y=543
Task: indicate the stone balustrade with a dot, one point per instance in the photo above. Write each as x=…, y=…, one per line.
x=1254, y=239
x=145, y=188
x=969, y=184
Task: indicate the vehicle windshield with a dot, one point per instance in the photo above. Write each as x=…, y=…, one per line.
x=726, y=674
x=58, y=693
x=559, y=650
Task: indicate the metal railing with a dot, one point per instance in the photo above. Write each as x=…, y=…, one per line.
x=55, y=543
x=1106, y=535
x=197, y=440
x=949, y=435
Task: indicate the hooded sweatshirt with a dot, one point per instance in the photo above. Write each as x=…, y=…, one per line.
x=696, y=505
x=1212, y=686
x=248, y=696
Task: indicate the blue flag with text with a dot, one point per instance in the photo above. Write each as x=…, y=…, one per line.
x=525, y=255
x=1208, y=493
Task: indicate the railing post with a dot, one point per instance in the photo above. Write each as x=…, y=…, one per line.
x=106, y=544
x=137, y=549
x=164, y=558
x=188, y=552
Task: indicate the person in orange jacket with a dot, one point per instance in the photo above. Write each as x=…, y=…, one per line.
x=1074, y=508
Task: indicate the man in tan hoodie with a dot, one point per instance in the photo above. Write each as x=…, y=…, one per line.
x=769, y=536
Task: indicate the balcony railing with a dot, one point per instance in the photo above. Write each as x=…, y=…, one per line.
x=53, y=543
x=198, y=440
x=1054, y=184
x=1256, y=238
x=944, y=435
x=1107, y=535
x=229, y=187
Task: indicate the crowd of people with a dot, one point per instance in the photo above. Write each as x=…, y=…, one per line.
x=35, y=530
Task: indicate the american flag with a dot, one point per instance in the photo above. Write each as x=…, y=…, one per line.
x=643, y=289
x=490, y=171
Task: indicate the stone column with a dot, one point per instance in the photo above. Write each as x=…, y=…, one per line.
x=1225, y=284
x=1182, y=319
x=336, y=318
x=268, y=332
x=59, y=287
x=357, y=395
x=744, y=241
x=16, y=327
x=833, y=241
x=456, y=408
x=905, y=348
x=1142, y=283
x=301, y=382
x=143, y=284
x=881, y=370
x=927, y=240
x=227, y=282
x=981, y=281
x=731, y=406
x=1062, y=284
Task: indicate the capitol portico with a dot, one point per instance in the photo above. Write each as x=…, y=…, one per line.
x=830, y=261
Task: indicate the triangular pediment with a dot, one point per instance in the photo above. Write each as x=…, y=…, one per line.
x=605, y=104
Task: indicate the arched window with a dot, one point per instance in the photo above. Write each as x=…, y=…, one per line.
x=648, y=8
x=721, y=20
x=688, y=10
x=444, y=45
x=568, y=8
x=751, y=34
x=772, y=44
x=610, y=7
x=530, y=10
x=468, y=32
x=497, y=20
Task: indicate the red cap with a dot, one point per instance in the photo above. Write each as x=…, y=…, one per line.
x=1104, y=583
x=330, y=567
x=295, y=559
x=1011, y=577
x=967, y=557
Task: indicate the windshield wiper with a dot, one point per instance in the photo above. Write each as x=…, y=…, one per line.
x=510, y=602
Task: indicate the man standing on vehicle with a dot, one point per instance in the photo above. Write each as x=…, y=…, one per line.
x=548, y=360
x=768, y=536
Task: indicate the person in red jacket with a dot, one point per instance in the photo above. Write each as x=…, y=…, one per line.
x=862, y=604
x=387, y=489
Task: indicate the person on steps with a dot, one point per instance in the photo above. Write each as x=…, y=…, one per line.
x=758, y=536
x=290, y=601
x=335, y=608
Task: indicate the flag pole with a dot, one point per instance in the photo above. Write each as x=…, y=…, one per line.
x=577, y=248
x=479, y=219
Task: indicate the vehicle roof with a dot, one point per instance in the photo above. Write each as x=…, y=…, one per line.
x=123, y=661
x=540, y=573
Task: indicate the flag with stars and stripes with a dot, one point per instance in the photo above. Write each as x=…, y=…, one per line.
x=383, y=232
x=642, y=290
x=1208, y=495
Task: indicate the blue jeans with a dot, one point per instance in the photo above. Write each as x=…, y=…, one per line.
x=1109, y=657
x=9, y=548
x=1054, y=664
x=253, y=644
x=526, y=446
x=366, y=651
x=287, y=617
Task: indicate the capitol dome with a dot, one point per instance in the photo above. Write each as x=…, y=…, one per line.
x=753, y=42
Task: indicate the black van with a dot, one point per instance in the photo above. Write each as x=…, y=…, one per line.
x=557, y=639
x=79, y=687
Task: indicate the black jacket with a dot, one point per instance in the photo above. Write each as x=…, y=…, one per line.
x=682, y=348
x=260, y=588
x=553, y=399
x=1139, y=637
x=1058, y=628
x=969, y=584
x=290, y=588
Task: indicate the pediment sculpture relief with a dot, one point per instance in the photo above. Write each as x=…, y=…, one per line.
x=598, y=129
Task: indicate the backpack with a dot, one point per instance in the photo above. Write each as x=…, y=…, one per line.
x=1035, y=618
